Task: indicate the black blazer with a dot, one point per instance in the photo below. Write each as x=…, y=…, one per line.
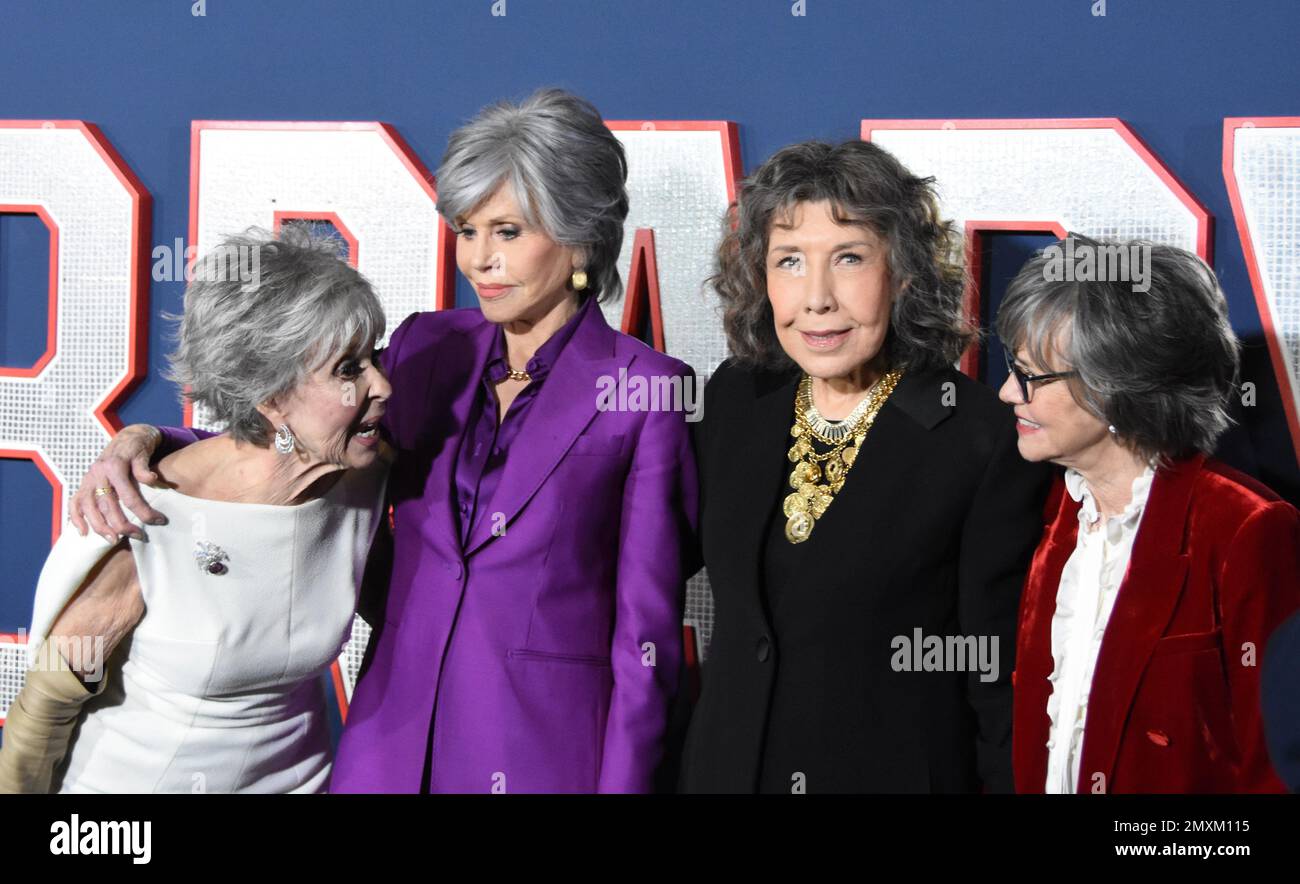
x=934, y=529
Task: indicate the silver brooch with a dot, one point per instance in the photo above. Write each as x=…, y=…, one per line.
x=209, y=557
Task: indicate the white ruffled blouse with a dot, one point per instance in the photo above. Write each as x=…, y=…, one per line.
x=1084, y=601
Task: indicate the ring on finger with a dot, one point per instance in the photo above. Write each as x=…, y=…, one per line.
x=106, y=490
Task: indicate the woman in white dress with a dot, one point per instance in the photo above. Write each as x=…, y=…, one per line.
x=189, y=659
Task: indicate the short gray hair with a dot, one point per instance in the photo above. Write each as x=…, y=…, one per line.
x=1158, y=365
x=242, y=345
x=865, y=185
x=568, y=172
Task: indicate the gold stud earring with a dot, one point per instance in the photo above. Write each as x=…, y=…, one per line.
x=579, y=280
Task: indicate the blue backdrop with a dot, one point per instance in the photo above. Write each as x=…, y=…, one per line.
x=143, y=69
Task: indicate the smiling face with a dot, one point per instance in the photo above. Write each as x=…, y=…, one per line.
x=1052, y=425
x=334, y=413
x=829, y=286
x=517, y=270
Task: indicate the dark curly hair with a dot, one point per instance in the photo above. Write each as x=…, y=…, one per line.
x=866, y=185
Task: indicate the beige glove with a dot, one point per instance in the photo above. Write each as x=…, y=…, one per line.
x=39, y=725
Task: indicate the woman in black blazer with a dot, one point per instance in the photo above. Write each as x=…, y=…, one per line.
x=866, y=572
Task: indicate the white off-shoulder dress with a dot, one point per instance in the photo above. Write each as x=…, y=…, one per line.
x=219, y=688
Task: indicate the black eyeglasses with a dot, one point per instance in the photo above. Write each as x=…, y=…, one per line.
x=1024, y=380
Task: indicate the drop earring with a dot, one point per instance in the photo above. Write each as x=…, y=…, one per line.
x=284, y=441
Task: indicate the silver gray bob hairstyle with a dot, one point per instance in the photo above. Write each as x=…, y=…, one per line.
x=1158, y=365
x=567, y=171
x=244, y=342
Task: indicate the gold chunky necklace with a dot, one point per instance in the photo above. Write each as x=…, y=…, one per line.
x=815, y=486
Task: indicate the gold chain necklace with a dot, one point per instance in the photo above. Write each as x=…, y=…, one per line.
x=816, y=486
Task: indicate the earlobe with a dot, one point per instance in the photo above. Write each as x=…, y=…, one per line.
x=273, y=415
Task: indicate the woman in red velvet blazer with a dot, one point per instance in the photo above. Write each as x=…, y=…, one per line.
x=1161, y=572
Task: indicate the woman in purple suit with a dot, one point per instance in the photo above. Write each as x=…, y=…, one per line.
x=528, y=625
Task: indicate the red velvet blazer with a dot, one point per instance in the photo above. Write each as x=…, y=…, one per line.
x=1174, y=704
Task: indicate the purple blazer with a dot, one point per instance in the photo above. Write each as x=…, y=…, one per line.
x=542, y=656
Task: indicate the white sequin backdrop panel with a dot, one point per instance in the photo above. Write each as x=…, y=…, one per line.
x=681, y=178
x=1094, y=177
x=362, y=174
x=59, y=412
x=1261, y=167
x=13, y=670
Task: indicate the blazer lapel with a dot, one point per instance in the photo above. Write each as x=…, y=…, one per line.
x=565, y=405
x=454, y=379
x=868, y=503
x=1143, y=608
x=1034, y=663
x=758, y=468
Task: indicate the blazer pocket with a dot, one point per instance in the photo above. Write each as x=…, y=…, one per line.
x=596, y=444
x=545, y=657
x=1188, y=642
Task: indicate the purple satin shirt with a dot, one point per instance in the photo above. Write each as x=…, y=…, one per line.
x=486, y=443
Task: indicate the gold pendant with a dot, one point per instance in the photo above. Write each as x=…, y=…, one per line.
x=834, y=470
x=804, y=472
x=849, y=454
x=811, y=500
x=798, y=527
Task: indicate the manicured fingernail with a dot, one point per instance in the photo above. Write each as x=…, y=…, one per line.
x=158, y=520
